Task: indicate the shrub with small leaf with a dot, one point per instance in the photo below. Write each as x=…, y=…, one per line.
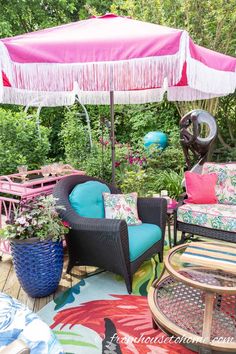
x=20, y=143
x=35, y=218
x=134, y=181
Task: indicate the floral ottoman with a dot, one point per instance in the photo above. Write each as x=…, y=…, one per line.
x=18, y=322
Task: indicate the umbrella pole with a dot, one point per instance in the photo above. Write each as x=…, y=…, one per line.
x=112, y=136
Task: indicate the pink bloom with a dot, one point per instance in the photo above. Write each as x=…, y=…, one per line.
x=117, y=163
x=66, y=224
x=21, y=220
x=127, y=208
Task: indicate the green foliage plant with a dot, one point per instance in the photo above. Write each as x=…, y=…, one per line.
x=98, y=161
x=35, y=218
x=74, y=137
x=20, y=142
x=171, y=181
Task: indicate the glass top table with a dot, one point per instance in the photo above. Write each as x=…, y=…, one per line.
x=209, y=266
x=195, y=297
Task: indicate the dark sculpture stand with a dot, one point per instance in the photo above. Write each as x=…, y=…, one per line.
x=191, y=140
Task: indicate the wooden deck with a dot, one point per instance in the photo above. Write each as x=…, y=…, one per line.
x=9, y=283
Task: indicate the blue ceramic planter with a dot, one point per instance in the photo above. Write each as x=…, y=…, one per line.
x=38, y=265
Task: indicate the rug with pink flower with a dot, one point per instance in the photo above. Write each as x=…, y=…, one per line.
x=98, y=316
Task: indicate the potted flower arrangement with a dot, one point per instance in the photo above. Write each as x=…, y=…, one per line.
x=35, y=232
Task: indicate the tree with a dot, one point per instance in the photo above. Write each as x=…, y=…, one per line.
x=20, y=16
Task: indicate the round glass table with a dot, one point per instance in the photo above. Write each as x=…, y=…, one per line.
x=195, y=297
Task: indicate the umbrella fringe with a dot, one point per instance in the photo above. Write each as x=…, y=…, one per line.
x=54, y=99
x=206, y=79
x=132, y=74
x=186, y=93
x=122, y=97
x=37, y=98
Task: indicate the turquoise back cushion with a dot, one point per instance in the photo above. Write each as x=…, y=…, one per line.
x=87, y=200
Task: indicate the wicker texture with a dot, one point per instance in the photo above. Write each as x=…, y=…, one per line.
x=104, y=242
x=38, y=265
x=184, y=306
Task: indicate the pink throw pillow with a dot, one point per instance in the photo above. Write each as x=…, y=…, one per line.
x=200, y=188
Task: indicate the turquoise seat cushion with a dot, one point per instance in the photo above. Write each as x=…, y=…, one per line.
x=87, y=200
x=141, y=238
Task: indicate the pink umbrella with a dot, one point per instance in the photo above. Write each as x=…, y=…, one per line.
x=111, y=53
x=110, y=59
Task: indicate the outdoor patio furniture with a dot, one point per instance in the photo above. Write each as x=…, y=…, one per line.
x=107, y=243
x=196, y=300
x=22, y=331
x=217, y=221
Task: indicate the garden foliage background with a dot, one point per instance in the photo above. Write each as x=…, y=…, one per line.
x=64, y=135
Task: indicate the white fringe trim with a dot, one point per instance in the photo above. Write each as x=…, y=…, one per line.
x=186, y=93
x=37, y=98
x=121, y=97
x=208, y=80
x=123, y=75
x=54, y=99
x=117, y=76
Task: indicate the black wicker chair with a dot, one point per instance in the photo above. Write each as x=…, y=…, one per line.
x=104, y=242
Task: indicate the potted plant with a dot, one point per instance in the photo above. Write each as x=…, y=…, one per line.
x=35, y=232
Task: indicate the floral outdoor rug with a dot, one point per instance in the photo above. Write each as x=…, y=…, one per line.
x=98, y=316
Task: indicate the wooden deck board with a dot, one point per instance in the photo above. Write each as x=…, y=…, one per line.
x=25, y=299
x=5, y=268
x=10, y=285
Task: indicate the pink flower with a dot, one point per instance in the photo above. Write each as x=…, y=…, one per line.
x=127, y=208
x=66, y=224
x=103, y=142
x=21, y=220
x=117, y=163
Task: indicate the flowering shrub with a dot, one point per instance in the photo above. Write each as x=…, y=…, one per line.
x=129, y=161
x=35, y=218
x=134, y=181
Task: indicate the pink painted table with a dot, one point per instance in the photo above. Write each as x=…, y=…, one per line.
x=13, y=189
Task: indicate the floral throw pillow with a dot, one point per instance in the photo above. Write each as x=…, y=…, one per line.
x=122, y=206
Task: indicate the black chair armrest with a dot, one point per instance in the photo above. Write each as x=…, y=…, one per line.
x=79, y=223
x=153, y=211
